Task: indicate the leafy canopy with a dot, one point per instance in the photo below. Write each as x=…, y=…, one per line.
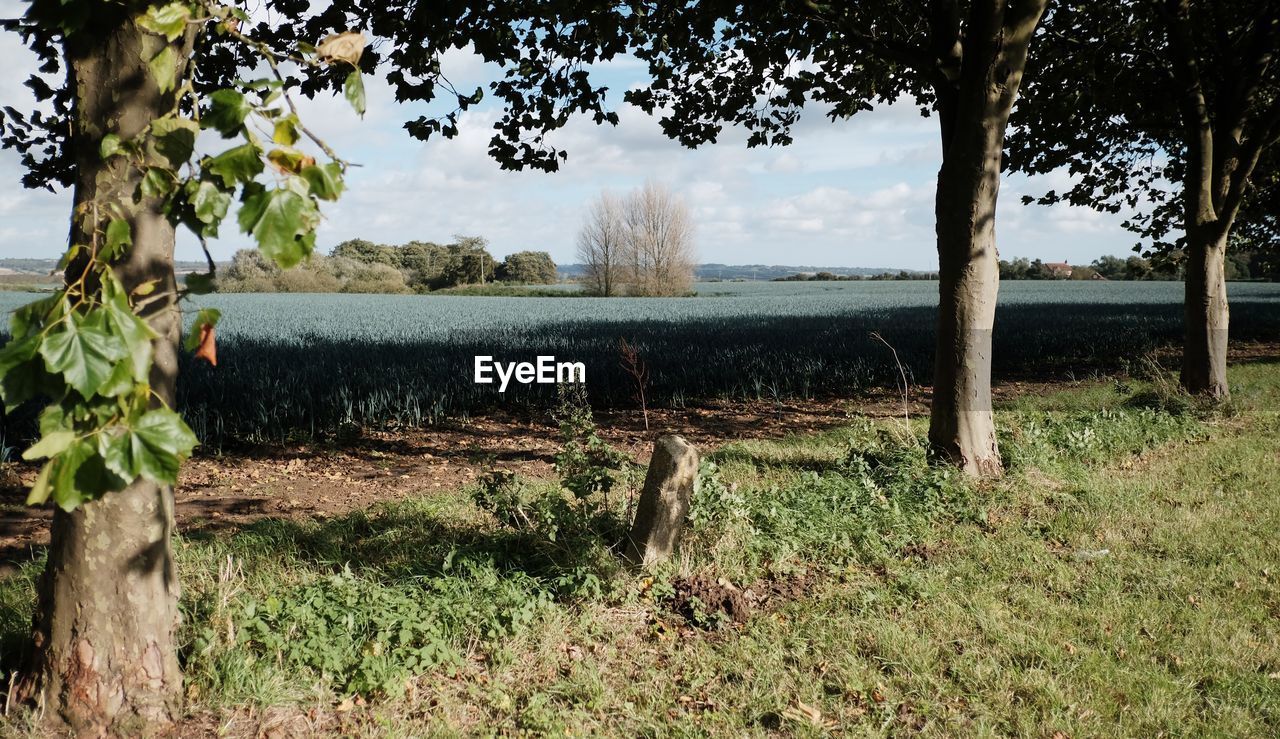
x=87, y=348
x=1115, y=87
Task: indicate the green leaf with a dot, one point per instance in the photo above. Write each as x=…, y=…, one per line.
x=93, y=478
x=110, y=146
x=210, y=203
x=157, y=182
x=325, y=180
x=174, y=139
x=119, y=236
x=53, y=418
x=276, y=218
x=121, y=382
x=227, y=111
x=83, y=352
x=353, y=90
x=115, y=446
x=166, y=20
x=120, y=453
x=160, y=441
x=66, y=492
x=206, y=317
x=40, y=489
x=285, y=132
x=20, y=377
x=164, y=68
x=135, y=333
x=50, y=445
x=31, y=317
x=238, y=164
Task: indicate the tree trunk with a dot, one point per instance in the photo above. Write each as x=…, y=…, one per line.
x=1204, y=356
x=961, y=426
x=976, y=82
x=104, y=657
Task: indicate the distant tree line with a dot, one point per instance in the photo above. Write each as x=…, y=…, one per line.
x=900, y=275
x=359, y=266
x=1239, y=265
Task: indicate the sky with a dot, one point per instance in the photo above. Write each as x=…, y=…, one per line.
x=850, y=193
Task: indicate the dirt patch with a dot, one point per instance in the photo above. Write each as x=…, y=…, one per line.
x=706, y=603
x=229, y=490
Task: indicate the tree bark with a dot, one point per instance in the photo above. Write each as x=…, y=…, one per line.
x=1204, y=356
x=977, y=80
x=961, y=425
x=104, y=658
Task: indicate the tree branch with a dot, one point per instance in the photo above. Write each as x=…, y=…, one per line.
x=1198, y=135
x=893, y=49
x=1250, y=152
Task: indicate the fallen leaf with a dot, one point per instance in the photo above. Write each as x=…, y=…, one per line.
x=803, y=713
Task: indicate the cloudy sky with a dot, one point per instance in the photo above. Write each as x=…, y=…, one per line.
x=855, y=193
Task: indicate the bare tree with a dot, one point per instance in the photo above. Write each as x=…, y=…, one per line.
x=643, y=243
x=602, y=245
x=659, y=242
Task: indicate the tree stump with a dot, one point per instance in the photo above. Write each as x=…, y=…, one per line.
x=664, y=502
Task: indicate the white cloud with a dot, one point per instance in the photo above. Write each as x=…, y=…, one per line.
x=846, y=193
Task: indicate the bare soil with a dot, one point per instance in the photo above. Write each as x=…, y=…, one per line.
x=302, y=481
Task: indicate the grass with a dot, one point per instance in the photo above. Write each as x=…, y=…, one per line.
x=1120, y=581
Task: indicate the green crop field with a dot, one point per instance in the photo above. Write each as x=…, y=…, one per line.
x=302, y=366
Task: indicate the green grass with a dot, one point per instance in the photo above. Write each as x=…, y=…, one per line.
x=1120, y=581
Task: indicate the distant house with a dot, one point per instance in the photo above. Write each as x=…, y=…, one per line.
x=1060, y=270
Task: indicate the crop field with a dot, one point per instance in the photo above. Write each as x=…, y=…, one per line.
x=305, y=366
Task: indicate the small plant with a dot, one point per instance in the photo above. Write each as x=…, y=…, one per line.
x=501, y=493
x=1165, y=394
x=570, y=530
x=587, y=463
x=522, y=507
x=715, y=502
x=904, y=386
x=634, y=366
x=369, y=636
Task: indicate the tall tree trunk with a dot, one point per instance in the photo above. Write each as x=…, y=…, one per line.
x=960, y=422
x=1204, y=355
x=978, y=75
x=104, y=656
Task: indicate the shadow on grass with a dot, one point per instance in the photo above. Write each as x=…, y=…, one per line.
x=408, y=541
